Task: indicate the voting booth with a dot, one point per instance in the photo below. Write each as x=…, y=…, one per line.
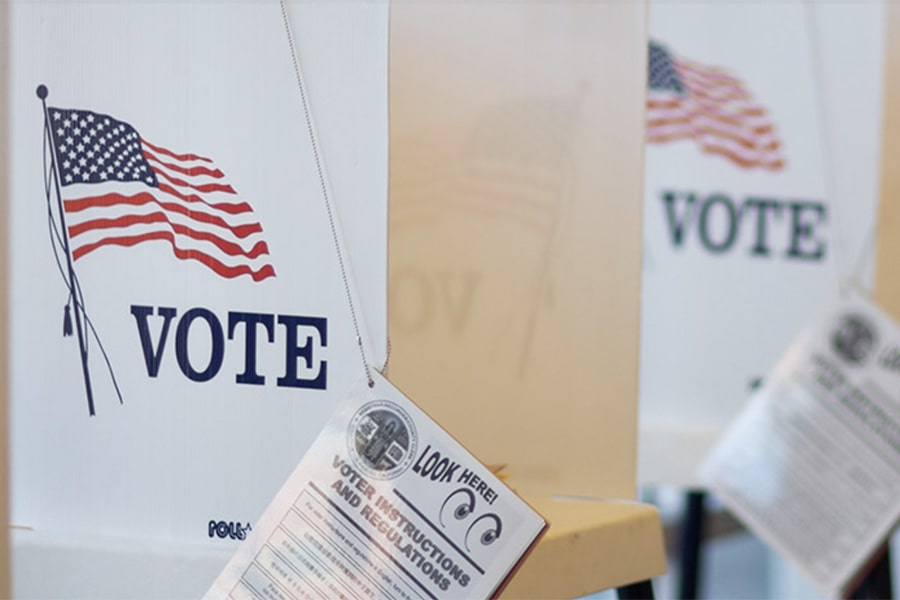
x=748, y=136
x=793, y=456
x=515, y=255
x=197, y=265
x=756, y=206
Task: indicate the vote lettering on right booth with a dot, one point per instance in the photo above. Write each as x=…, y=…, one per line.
x=760, y=227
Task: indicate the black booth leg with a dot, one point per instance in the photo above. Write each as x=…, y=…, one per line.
x=877, y=584
x=640, y=590
x=691, y=538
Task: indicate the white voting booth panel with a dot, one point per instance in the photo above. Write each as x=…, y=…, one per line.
x=759, y=194
x=515, y=249
x=179, y=180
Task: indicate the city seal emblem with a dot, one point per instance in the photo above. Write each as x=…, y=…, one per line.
x=853, y=339
x=382, y=439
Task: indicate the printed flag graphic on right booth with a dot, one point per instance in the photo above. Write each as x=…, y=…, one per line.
x=688, y=100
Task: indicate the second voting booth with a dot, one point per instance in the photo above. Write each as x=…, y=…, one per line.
x=515, y=260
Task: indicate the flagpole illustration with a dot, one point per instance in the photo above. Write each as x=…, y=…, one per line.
x=64, y=238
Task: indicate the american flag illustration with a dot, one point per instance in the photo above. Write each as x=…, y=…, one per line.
x=688, y=100
x=123, y=190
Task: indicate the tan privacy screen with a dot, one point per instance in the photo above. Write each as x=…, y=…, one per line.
x=887, y=278
x=515, y=232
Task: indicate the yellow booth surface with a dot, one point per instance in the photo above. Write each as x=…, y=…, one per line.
x=887, y=284
x=515, y=257
x=590, y=546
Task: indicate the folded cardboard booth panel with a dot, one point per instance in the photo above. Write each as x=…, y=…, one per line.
x=515, y=262
x=749, y=225
x=211, y=332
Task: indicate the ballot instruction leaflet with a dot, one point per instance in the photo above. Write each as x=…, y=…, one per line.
x=812, y=465
x=385, y=504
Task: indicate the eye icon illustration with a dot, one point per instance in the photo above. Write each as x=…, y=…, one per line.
x=461, y=504
x=486, y=529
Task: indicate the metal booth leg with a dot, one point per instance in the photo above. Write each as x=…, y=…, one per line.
x=877, y=584
x=691, y=538
x=640, y=590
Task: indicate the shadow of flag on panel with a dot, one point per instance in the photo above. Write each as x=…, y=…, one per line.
x=688, y=100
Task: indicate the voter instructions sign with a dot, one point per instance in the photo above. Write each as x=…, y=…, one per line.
x=384, y=505
x=812, y=465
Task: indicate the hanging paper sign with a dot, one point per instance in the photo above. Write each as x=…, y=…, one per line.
x=385, y=504
x=180, y=326
x=741, y=236
x=812, y=465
